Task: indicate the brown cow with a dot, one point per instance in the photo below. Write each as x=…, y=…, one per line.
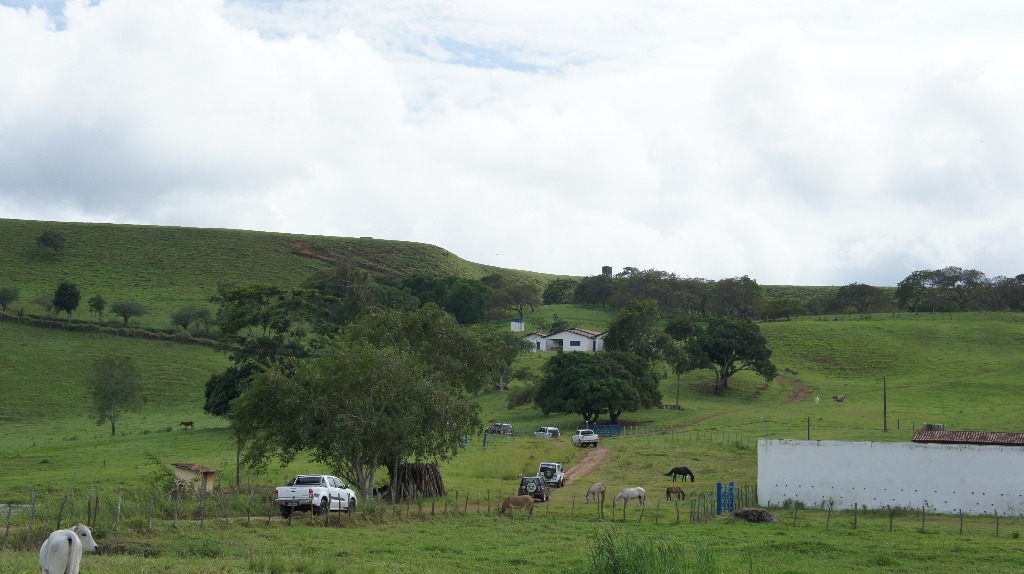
x=187, y=425
x=839, y=399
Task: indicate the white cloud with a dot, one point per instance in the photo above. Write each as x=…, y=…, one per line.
x=793, y=142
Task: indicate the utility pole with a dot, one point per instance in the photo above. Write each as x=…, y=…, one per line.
x=885, y=407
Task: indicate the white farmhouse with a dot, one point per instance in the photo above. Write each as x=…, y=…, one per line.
x=568, y=340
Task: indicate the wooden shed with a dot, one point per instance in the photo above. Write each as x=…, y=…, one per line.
x=200, y=477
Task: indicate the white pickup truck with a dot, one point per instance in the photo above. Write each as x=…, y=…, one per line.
x=585, y=437
x=319, y=493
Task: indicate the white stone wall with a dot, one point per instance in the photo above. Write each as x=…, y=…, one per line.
x=945, y=478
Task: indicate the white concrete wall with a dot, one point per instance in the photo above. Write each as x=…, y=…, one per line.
x=946, y=478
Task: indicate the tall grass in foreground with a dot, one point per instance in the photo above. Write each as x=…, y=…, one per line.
x=614, y=554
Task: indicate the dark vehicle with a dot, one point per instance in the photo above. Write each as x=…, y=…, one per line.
x=504, y=429
x=535, y=487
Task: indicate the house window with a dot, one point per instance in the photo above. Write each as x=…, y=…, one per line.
x=574, y=343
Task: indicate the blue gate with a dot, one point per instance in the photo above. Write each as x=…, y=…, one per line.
x=606, y=430
x=726, y=498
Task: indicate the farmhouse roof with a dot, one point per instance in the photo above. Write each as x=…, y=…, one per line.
x=969, y=437
x=582, y=332
x=193, y=467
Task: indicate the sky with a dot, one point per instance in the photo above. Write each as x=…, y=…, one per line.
x=795, y=142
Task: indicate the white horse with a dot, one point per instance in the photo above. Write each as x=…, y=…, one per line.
x=630, y=493
x=61, y=553
x=597, y=489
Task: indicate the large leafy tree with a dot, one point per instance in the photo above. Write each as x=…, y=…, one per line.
x=66, y=298
x=517, y=296
x=728, y=346
x=594, y=290
x=392, y=389
x=116, y=388
x=590, y=384
x=736, y=297
x=863, y=298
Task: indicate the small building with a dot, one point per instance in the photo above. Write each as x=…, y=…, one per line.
x=574, y=339
x=200, y=477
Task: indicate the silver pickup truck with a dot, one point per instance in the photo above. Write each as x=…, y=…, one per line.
x=319, y=493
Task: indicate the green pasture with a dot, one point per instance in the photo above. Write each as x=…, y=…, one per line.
x=165, y=268
x=960, y=369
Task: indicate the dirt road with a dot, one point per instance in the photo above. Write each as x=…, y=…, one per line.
x=594, y=458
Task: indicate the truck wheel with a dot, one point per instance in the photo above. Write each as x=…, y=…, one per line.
x=325, y=506
x=286, y=511
x=351, y=506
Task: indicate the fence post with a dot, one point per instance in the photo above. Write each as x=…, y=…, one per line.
x=10, y=508
x=572, y=513
x=996, y=511
x=117, y=516
x=177, y=503
x=31, y=516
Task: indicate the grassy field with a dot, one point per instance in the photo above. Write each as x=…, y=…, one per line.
x=165, y=268
x=958, y=369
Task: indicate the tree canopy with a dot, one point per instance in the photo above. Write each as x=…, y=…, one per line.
x=66, y=297
x=8, y=295
x=393, y=387
x=116, y=387
x=52, y=239
x=590, y=384
x=728, y=346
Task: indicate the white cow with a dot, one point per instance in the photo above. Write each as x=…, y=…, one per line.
x=61, y=553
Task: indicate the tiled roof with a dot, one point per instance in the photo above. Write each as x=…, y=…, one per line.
x=969, y=437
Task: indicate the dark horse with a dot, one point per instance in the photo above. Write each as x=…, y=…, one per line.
x=680, y=471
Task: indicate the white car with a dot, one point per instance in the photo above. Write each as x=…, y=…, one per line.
x=547, y=432
x=585, y=437
x=551, y=473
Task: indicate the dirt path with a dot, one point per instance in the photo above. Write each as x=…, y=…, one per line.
x=800, y=390
x=594, y=458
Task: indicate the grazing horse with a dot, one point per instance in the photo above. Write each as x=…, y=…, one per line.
x=187, y=425
x=597, y=489
x=513, y=502
x=816, y=399
x=627, y=494
x=675, y=490
x=61, y=553
x=680, y=471
x=839, y=399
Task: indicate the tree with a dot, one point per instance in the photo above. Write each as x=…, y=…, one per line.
x=516, y=296
x=116, y=388
x=127, y=309
x=863, y=298
x=97, y=304
x=66, y=298
x=594, y=290
x=270, y=327
x=51, y=239
x=927, y=289
x=356, y=407
x=736, y=297
x=45, y=300
x=728, y=346
x=589, y=384
x=559, y=291
x=8, y=295
x=635, y=330
x=505, y=347
x=191, y=315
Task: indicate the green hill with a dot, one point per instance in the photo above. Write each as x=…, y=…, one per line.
x=164, y=268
